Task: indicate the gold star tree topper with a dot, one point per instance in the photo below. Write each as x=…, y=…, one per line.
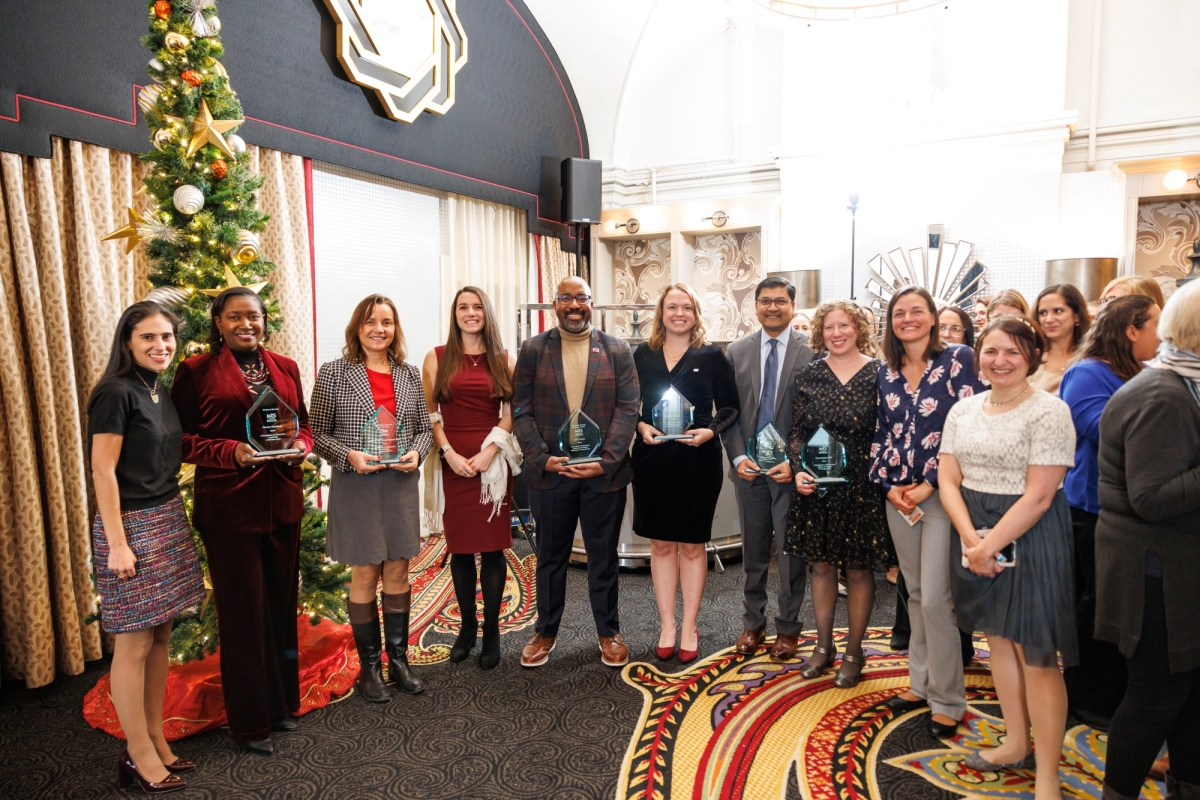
x=206, y=130
x=231, y=280
x=131, y=233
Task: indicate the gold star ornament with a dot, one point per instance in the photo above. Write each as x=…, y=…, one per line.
x=131, y=233
x=231, y=280
x=206, y=130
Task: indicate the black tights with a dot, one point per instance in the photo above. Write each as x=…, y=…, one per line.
x=1158, y=704
x=493, y=570
x=860, y=601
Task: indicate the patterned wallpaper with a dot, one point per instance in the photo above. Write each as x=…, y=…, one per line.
x=1165, y=233
x=727, y=268
x=641, y=268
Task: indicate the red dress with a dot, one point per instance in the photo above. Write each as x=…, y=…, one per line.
x=467, y=420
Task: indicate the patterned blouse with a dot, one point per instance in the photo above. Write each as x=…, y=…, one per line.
x=910, y=422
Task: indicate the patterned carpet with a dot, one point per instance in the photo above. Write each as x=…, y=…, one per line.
x=570, y=729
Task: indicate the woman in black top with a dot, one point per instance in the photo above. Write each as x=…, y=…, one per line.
x=676, y=483
x=1148, y=557
x=147, y=571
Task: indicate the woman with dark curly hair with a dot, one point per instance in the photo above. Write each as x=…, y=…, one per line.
x=842, y=526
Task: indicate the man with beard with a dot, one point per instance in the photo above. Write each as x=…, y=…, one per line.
x=575, y=366
x=765, y=364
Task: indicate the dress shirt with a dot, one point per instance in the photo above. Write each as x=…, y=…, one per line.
x=763, y=351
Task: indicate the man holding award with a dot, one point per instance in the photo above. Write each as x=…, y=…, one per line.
x=575, y=407
x=765, y=364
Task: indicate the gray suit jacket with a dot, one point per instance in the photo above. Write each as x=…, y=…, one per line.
x=745, y=356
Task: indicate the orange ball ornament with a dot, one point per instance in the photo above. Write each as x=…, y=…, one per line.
x=219, y=169
x=191, y=77
x=162, y=9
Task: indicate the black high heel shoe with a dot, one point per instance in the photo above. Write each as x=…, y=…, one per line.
x=127, y=775
x=811, y=670
x=466, y=639
x=845, y=680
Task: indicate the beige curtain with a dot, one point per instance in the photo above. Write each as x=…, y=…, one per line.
x=488, y=248
x=285, y=242
x=61, y=293
x=556, y=265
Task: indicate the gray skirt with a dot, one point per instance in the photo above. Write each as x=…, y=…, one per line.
x=1032, y=603
x=373, y=518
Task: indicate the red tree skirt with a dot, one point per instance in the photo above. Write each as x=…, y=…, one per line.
x=194, y=704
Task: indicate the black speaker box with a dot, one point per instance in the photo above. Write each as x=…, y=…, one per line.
x=580, y=190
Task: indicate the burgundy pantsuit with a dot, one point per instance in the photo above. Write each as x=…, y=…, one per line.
x=249, y=520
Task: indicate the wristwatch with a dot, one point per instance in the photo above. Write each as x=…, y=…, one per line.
x=444, y=448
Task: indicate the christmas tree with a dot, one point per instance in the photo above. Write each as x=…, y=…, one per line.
x=201, y=237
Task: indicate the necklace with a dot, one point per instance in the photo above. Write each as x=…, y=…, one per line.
x=153, y=390
x=475, y=363
x=994, y=404
x=672, y=358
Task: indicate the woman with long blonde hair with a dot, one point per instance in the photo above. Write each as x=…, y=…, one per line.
x=676, y=481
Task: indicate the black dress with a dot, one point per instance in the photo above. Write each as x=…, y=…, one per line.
x=847, y=526
x=676, y=485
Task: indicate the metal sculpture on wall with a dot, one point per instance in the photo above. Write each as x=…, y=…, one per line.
x=408, y=51
x=945, y=269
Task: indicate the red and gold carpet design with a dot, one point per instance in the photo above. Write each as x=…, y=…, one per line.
x=328, y=659
x=734, y=727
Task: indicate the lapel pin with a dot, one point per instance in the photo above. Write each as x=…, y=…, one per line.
x=595, y=349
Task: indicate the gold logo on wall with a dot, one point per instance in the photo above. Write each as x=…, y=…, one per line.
x=407, y=51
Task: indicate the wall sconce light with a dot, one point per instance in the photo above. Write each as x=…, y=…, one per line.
x=718, y=219
x=630, y=226
x=1176, y=179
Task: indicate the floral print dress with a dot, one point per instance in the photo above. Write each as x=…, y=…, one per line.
x=909, y=434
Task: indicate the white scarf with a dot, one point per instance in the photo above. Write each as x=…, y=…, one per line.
x=1184, y=363
x=435, y=500
x=494, y=480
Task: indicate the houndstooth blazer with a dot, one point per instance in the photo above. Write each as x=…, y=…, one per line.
x=342, y=403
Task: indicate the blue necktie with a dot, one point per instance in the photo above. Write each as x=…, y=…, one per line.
x=766, y=402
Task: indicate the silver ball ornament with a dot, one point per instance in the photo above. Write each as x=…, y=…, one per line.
x=156, y=66
x=246, y=249
x=161, y=137
x=188, y=199
x=236, y=143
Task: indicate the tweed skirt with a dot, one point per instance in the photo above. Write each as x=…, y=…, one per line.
x=167, y=579
x=374, y=517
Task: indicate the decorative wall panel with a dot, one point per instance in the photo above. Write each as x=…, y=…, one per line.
x=1165, y=233
x=641, y=268
x=727, y=268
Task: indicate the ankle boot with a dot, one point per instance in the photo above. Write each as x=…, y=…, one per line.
x=395, y=631
x=1178, y=790
x=370, y=651
x=489, y=655
x=466, y=636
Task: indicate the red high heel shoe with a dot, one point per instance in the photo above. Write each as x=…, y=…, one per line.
x=180, y=765
x=127, y=773
x=665, y=653
x=688, y=656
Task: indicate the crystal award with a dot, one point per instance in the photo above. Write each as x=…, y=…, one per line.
x=383, y=436
x=767, y=448
x=824, y=457
x=673, y=415
x=579, y=439
x=272, y=426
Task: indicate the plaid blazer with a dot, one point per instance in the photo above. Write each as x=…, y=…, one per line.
x=611, y=397
x=342, y=403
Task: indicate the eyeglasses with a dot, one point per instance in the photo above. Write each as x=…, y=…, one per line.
x=952, y=328
x=582, y=299
x=778, y=302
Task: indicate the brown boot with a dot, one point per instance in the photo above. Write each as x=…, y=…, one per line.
x=537, y=652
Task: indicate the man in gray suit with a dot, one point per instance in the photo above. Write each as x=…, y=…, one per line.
x=765, y=365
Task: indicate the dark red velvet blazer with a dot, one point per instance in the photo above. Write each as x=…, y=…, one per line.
x=212, y=399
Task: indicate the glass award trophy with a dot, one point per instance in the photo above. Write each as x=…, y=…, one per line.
x=272, y=426
x=767, y=448
x=673, y=415
x=384, y=436
x=824, y=457
x=579, y=439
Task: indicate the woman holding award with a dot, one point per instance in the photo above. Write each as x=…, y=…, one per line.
x=370, y=400
x=248, y=508
x=1003, y=457
x=688, y=398
x=146, y=567
x=469, y=381
x=841, y=525
x=922, y=380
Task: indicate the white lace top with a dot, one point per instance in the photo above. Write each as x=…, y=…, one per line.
x=994, y=451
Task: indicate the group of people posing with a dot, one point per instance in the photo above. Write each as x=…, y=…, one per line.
x=1055, y=525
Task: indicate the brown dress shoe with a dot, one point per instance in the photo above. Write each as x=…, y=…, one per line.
x=748, y=642
x=537, y=652
x=785, y=647
x=613, y=651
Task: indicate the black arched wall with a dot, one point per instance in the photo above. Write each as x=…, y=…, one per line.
x=70, y=68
